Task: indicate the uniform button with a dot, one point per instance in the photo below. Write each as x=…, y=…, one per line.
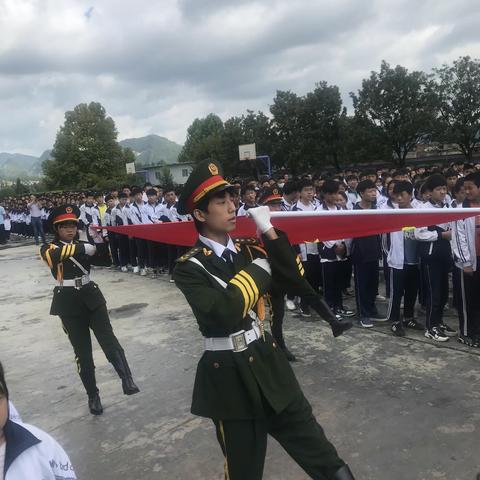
x=274, y=345
x=250, y=359
x=216, y=365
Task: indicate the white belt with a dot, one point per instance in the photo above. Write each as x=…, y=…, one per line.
x=78, y=282
x=238, y=341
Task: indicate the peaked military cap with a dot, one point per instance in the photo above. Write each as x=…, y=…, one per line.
x=64, y=213
x=272, y=194
x=206, y=178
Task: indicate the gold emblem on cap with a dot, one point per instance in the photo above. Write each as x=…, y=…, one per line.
x=213, y=169
x=69, y=209
x=275, y=191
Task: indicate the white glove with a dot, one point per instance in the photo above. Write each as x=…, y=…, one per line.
x=95, y=234
x=263, y=263
x=90, y=249
x=261, y=217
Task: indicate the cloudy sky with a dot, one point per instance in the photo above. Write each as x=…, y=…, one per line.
x=157, y=64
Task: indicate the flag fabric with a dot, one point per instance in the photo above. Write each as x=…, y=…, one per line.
x=308, y=226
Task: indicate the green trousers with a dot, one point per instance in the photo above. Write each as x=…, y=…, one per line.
x=244, y=443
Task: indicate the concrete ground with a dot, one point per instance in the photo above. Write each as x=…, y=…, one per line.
x=396, y=409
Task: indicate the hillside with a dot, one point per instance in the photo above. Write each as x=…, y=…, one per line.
x=153, y=149
x=14, y=165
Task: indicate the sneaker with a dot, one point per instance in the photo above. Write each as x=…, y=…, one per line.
x=305, y=312
x=124, y=269
x=136, y=269
x=290, y=305
x=143, y=272
x=365, y=322
x=413, y=324
x=348, y=292
x=376, y=317
x=398, y=330
x=171, y=279
x=436, y=334
x=380, y=298
x=344, y=312
x=446, y=330
x=469, y=341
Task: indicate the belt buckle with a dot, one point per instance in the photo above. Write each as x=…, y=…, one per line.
x=78, y=283
x=239, y=341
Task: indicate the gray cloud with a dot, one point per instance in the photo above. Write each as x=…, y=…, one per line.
x=155, y=66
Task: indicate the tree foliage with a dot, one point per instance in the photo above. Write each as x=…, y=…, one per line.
x=86, y=152
x=457, y=88
x=400, y=103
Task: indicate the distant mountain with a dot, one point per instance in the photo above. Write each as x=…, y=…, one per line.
x=17, y=165
x=153, y=149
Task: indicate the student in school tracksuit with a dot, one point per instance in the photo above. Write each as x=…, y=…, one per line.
x=402, y=259
x=466, y=251
x=332, y=255
x=137, y=214
x=365, y=254
x=436, y=258
x=26, y=452
x=120, y=217
x=112, y=236
x=309, y=252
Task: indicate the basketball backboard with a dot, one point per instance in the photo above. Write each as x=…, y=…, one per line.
x=247, y=152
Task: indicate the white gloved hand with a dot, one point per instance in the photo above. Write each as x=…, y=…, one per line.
x=261, y=217
x=90, y=249
x=95, y=234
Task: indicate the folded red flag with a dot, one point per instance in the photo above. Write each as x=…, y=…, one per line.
x=304, y=226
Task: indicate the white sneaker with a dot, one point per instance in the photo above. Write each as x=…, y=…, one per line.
x=143, y=272
x=381, y=298
x=290, y=305
x=124, y=269
x=136, y=269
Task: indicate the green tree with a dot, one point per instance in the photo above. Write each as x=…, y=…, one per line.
x=20, y=188
x=457, y=88
x=204, y=140
x=401, y=104
x=86, y=152
x=287, y=111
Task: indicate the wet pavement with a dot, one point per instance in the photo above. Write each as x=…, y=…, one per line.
x=395, y=408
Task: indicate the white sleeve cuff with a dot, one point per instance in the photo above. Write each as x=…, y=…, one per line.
x=263, y=263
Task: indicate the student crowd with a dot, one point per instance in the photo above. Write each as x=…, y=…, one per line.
x=420, y=265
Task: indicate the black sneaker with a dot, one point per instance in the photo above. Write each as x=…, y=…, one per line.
x=397, y=329
x=446, y=330
x=469, y=341
x=413, y=324
x=436, y=334
x=305, y=312
x=344, y=312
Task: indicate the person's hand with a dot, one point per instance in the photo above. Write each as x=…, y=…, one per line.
x=95, y=234
x=447, y=235
x=340, y=250
x=468, y=270
x=261, y=217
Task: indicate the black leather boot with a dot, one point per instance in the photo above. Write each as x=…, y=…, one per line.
x=337, y=326
x=290, y=356
x=344, y=474
x=95, y=405
x=120, y=364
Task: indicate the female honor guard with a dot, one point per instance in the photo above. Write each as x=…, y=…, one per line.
x=79, y=302
x=244, y=382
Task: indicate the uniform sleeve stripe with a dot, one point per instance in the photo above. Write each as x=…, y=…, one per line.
x=72, y=251
x=235, y=282
x=63, y=252
x=49, y=259
x=248, y=278
x=250, y=291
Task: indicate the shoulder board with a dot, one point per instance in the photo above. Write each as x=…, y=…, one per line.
x=191, y=253
x=246, y=241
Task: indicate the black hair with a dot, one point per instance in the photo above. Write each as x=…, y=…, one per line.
x=459, y=184
x=290, y=187
x=168, y=188
x=248, y=187
x=365, y=185
x=473, y=177
x=304, y=183
x=3, y=382
x=330, y=186
x=351, y=177
x=402, y=186
x=434, y=181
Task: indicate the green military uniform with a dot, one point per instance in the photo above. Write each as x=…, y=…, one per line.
x=81, y=305
x=252, y=392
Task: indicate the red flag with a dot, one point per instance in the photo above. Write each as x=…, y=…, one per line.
x=309, y=226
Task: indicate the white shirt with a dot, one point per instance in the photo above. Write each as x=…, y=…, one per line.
x=218, y=248
x=2, y=458
x=35, y=211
